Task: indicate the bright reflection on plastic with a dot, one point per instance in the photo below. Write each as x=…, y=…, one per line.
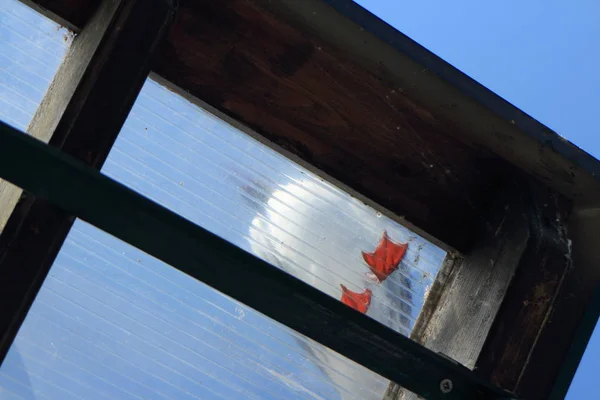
x=111, y=322
x=217, y=176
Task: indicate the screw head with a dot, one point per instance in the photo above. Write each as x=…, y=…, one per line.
x=446, y=386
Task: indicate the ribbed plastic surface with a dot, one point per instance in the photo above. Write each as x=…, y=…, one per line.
x=31, y=49
x=111, y=322
x=217, y=176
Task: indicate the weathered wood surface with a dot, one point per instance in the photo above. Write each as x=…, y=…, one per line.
x=466, y=311
x=315, y=101
x=578, y=346
x=165, y=235
x=469, y=301
x=61, y=92
x=321, y=86
x=74, y=102
x=9, y=196
x=82, y=113
x=312, y=100
x=308, y=78
x=542, y=309
x=73, y=14
x=517, y=335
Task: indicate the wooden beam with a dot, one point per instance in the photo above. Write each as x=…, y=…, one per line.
x=82, y=114
x=129, y=216
x=332, y=83
x=469, y=302
x=74, y=98
x=514, y=306
x=544, y=305
x=308, y=97
x=466, y=311
x=484, y=119
x=578, y=293
x=316, y=77
x=72, y=14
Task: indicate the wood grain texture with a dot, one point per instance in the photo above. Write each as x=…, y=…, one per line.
x=310, y=99
x=467, y=310
x=339, y=106
x=550, y=364
x=316, y=100
x=513, y=306
x=470, y=301
x=542, y=308
x=331, y=82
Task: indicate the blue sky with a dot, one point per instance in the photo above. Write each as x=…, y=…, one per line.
x=107, y=306
x=542, y=56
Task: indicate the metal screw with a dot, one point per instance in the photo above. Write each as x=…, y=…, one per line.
x=446, y=386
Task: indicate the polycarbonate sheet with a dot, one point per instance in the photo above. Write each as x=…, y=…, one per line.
x=222, y=179
x=111, y=322
x=31, y=50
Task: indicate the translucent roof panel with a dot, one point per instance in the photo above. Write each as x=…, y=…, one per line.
x=31, y=50
x=111, y=322
x=210, y=172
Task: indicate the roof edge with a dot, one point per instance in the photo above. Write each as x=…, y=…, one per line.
x=484, y=118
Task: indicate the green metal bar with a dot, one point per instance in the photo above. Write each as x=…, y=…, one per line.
x=78, y=189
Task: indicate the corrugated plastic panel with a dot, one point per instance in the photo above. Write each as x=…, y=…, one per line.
x=112, y=322
x=217, y=176
x=31, y=50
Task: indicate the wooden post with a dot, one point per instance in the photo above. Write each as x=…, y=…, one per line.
x=496, y=302
x=467, y=303
x=540, y=314
x=82, y=113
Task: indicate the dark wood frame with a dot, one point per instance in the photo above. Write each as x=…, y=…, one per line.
x=342, y=91
x=81, y=114
x=85, y=193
